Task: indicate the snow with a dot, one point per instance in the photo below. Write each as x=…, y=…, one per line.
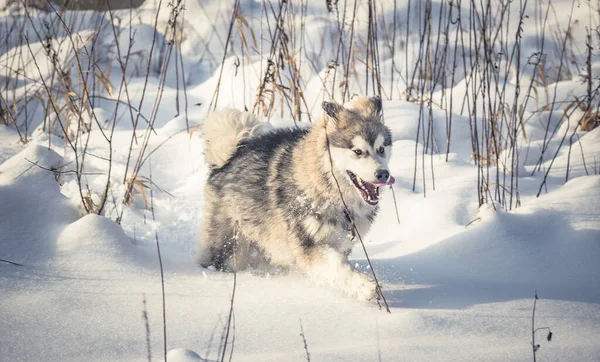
x=33, y=209
x=183, y=355
x=460, y=279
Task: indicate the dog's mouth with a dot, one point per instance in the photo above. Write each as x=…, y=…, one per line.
x=368, y=191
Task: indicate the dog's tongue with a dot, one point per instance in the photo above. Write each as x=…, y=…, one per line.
x=390, y=181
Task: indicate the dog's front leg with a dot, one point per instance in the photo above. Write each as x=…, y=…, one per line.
x=326, y=266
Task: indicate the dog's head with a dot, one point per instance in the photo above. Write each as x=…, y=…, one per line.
x=360, y=146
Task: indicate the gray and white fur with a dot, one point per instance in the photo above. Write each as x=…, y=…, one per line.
x=277, y=190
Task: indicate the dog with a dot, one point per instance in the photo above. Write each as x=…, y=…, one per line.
x=297, y=195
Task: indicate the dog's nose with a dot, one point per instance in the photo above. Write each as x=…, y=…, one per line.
x=382, y=175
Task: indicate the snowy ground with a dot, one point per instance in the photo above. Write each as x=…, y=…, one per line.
x=459, y=279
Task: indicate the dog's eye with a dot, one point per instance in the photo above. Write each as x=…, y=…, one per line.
x=381, y=150
x=358, y=152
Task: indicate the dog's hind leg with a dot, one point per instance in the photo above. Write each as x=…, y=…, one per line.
x=324, y=265
x=224, y=248
x=217, y=242
x=222, y=245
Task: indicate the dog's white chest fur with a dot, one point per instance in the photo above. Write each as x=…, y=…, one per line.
x=334, y=226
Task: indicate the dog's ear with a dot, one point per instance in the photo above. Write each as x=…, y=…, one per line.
x=333, y=110
x=368, y=107
x=376, y=105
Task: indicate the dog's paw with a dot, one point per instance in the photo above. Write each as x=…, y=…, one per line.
x=362, y=288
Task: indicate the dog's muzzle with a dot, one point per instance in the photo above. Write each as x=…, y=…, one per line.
x=368, y=190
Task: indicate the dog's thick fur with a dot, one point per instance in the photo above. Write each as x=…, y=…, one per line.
x=276, y=190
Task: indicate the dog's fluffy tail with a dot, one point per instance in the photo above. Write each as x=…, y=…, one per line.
x=223, y=130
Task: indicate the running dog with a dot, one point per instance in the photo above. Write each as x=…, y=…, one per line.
x=297, y=195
